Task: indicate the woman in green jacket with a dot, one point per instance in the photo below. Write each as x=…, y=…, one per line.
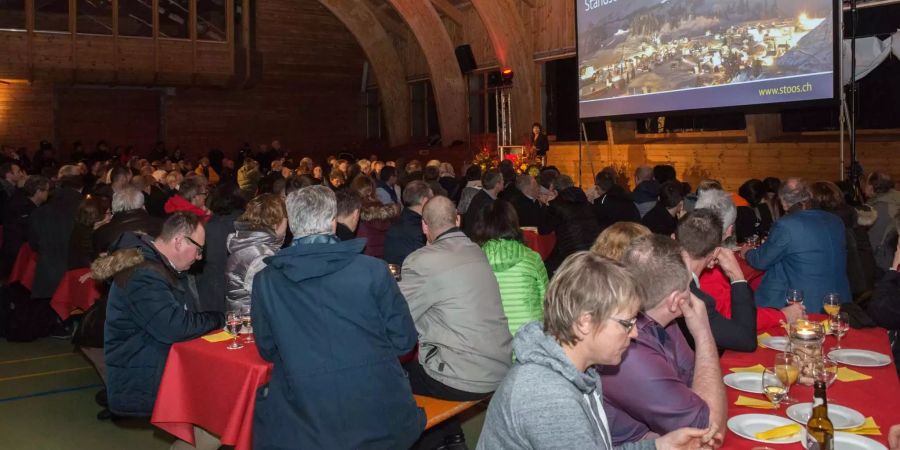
x=519, y=270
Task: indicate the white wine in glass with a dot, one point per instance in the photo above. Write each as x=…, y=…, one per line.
x=787, y=368
x=773, y=387
x=832, y=303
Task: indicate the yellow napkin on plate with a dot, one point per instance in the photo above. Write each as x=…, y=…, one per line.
x=848, y=374
x=779, y=432
x=752, y=369
x=762, y=336
x=753, y=403
x=217, y=337
x=870, y=428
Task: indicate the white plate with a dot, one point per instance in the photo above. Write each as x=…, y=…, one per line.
x=744, y=381
x=862, y=358
x=746, y=425
x=848, y=441
x=774, y=342
x=841, y=417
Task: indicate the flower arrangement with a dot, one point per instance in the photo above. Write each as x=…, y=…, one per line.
x=486, y=160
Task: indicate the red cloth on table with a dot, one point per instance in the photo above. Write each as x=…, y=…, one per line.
x=72, y=295
x=24, y=267
x=541, y=243
x=715, y=283
x=876, y=397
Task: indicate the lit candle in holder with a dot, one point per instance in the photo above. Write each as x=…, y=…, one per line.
x=807, y=338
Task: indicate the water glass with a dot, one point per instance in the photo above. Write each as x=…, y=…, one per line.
x=826, y=370
x=840, y=325
x=247, y=322
x=233, y=327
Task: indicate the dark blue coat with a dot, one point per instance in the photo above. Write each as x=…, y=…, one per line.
x=805, y=250
x=404, y=237
x=333, y=322
x=146, y=313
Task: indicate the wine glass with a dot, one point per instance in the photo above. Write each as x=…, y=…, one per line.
x=832, y=303
x=246, y=321
x=825, y=370
x=840, y=325
x=773, y=387
x=787, y=368
x=795, y=297
x=233, y=327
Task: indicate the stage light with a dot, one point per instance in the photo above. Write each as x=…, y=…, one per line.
x=507, y=75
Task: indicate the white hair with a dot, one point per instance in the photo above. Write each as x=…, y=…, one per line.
x=719, y=202
x=311, y=210
x=127, y=199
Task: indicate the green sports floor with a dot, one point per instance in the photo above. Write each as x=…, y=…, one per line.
x=47, y=403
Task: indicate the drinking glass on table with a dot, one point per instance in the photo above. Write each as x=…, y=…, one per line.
x=246, y=321
x=794, y=297
x=773, y=387
x=840, y=325
x=832, y=303
x=825, y=370
x=233, y=327
x=787, y=368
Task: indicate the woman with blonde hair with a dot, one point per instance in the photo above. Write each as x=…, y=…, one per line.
x=613, y=241
x=259, y=233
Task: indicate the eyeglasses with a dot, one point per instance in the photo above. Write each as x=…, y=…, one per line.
x=627, y=324
x=200, y=248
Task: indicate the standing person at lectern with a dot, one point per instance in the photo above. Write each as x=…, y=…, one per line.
x=539, y=143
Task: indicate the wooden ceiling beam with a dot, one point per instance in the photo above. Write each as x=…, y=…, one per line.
x=448, y=9
x=392, y=25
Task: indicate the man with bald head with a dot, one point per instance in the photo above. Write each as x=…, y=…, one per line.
x=464, y=341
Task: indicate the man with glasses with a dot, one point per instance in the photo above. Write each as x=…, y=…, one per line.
x=150, y=307
x=662, y=385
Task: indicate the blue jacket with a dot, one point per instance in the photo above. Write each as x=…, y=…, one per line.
x=404, y=237
x=334, y=323
x=805, y=250
x=148, y=310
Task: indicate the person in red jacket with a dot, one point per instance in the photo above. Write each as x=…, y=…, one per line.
x=714, y=282
x=191, y=197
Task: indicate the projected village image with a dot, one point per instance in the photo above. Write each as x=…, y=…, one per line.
x=634, y=47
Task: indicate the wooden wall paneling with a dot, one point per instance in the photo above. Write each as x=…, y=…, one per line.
x=95, y=58
x=175, y=61
x=14, y=59
x=119, y=116
x=381, y=54
x=52, y=53
x=446, y=80
x=136, y=59
x=26, y=113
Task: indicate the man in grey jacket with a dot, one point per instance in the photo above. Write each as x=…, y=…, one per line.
x=464, y=342
x=552, y=397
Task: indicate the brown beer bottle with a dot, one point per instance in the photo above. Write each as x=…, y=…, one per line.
x=819, y=429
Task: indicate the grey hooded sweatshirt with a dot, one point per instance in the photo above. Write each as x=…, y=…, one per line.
x=546, y=403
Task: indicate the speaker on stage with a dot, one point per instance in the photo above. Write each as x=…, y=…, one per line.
x=465, y=58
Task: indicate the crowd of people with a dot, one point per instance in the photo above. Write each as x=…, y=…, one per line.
x=612, y=341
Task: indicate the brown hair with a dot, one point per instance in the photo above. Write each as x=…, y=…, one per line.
x=586, y=283
x=826, y=196
x=614, y=240
x=700, y=232
x=365, y=187
x=91, y=211
x=264, y=212
x=656, y=263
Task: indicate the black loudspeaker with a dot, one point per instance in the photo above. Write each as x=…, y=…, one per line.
x=465, y=58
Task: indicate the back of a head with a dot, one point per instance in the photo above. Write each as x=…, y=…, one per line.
x=446, y=170
x=225, y=199
x=881, y=182
x=71, y=170
x=663, y=173
x=297, y=182
x=772, y=185
x=586, y=283
x=177, y=224
x=508, y=171
x=119, y=175
x=793, y=192
x=547, y=178
x=439, y=214
x=753, y=191
x=35, y=183
x=431, y=173
x=498, y=221
x=364, y=186
x=656, y=263
x=643, y=173
x=524, y=182
x=616, y=238
x=416, y=193
x=473, y=172
x=605, y=180
x=264, y=212
x=413, y=166
x=708, y=185
x=386, y=173
x=700, y=232
x=490, y=179
x=90, y=211
x=311, y=210
x=564, y=182
x=670, y=194
x=347, y=202
x=128, y=198
x=719, y=202
x=826, y=196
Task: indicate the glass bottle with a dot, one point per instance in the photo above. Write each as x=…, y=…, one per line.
x=819, y=429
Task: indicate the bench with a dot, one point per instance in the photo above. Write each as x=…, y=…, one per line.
x=437, y=410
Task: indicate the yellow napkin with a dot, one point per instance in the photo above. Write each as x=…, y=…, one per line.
x=752, y=369
x=848, y=374
x=753, y=403
x=870, y=428
x=217, y=337
x=762, y=336
x=780, y=432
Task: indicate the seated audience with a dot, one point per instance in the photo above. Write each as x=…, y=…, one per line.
x=161, y=192
x=49, y=230
x=882, y=196
x=405, y=236
x=191, y=197
x=348, y=210
x=646, y=189
x=387, y=180
x=334, y=324
x=491, y=186
x=806, y=250
x=572, y=218
x=616, y=238
x=150, y=307
x=454, y=299
x=375, y=218
x=205, y=170
x=519, y=270
x=449, y=181
x=663, y=217
x=259, y=233
x=612, y=204
x=431, y=176
x=471, y=187
x=92, y=213
x=226, y=204
x=16, y=219
x=552, y=397
x=128, y=214
x=755, y=219
x=715, y=283
x=661, y=385
x=248, y=177
x=524, y=197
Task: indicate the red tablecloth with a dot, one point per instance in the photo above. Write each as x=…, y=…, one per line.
x=878, y=397
x=541, y=243
x=211, y=387
x=23, y=269
x=73, y=295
